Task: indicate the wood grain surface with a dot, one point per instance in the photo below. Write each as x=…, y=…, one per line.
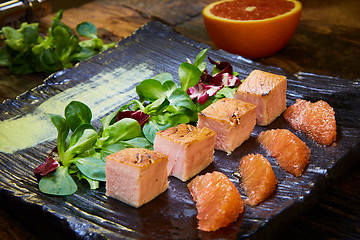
x=327, y=42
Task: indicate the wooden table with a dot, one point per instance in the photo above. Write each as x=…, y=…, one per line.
x=327, y=42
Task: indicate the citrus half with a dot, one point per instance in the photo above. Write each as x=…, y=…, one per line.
x=252, y=28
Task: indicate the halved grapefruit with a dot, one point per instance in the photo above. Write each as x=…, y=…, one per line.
x=252, y=28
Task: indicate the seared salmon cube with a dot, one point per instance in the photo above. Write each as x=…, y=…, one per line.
x=189, y=149
x=267, y=91
x=135, y=176
x=233, y=121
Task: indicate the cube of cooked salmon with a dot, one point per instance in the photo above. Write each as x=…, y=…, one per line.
x=135, y=176
x=267, y=91
x=189, y=149
x=233, y=121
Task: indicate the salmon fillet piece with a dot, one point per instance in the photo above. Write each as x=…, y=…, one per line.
x=232, y=119
x=316, y=120
x=267, y=91
x=257, y=178
x=189, y=149
x=218, y=202
x=290, y=152
x=135, y=176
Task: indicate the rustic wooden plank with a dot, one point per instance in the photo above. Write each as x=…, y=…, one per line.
x=10, y=228
x=305, y=51
x=168, y=11
x=195, y=29
x=114, y=19
x=14, y=85
x=333, y=12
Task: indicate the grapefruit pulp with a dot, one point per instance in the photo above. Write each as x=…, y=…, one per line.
x=316, y=120
x=218, y=202
x=290, y=152
x=257, y=177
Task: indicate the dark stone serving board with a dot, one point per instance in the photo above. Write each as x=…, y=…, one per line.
x=91, y=215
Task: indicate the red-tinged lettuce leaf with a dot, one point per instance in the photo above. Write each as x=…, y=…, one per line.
x=48, y=166
x=202, y=92
x=139, y=116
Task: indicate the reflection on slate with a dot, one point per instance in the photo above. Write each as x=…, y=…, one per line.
x=91, y=215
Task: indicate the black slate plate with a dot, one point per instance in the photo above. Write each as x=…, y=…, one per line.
x=153, y=49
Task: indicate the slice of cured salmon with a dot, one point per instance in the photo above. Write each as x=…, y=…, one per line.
x=257, y=177
x=233, y=121
x=135, y=176
x=189, y=149
x=218, y=202
x=267, y=91
x=290, y=152
x=316, y=120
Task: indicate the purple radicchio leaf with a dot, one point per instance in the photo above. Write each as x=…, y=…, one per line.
x=225, y=79
x=139, y=116
x=48, y=166
x=205, y=76
x=224, y=67
x=209, y=85
x=225, y=76
x=202, y=92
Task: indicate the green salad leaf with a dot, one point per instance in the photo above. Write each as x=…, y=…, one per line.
x=87, y=29
x=75, y=147
x=82, y=150
x=76, y=114
x=91, y=167
x=189, y=75
x=58, y=183
x=26, y=50
x=124, y=129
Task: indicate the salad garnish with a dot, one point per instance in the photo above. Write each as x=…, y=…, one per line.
x=81, y=148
